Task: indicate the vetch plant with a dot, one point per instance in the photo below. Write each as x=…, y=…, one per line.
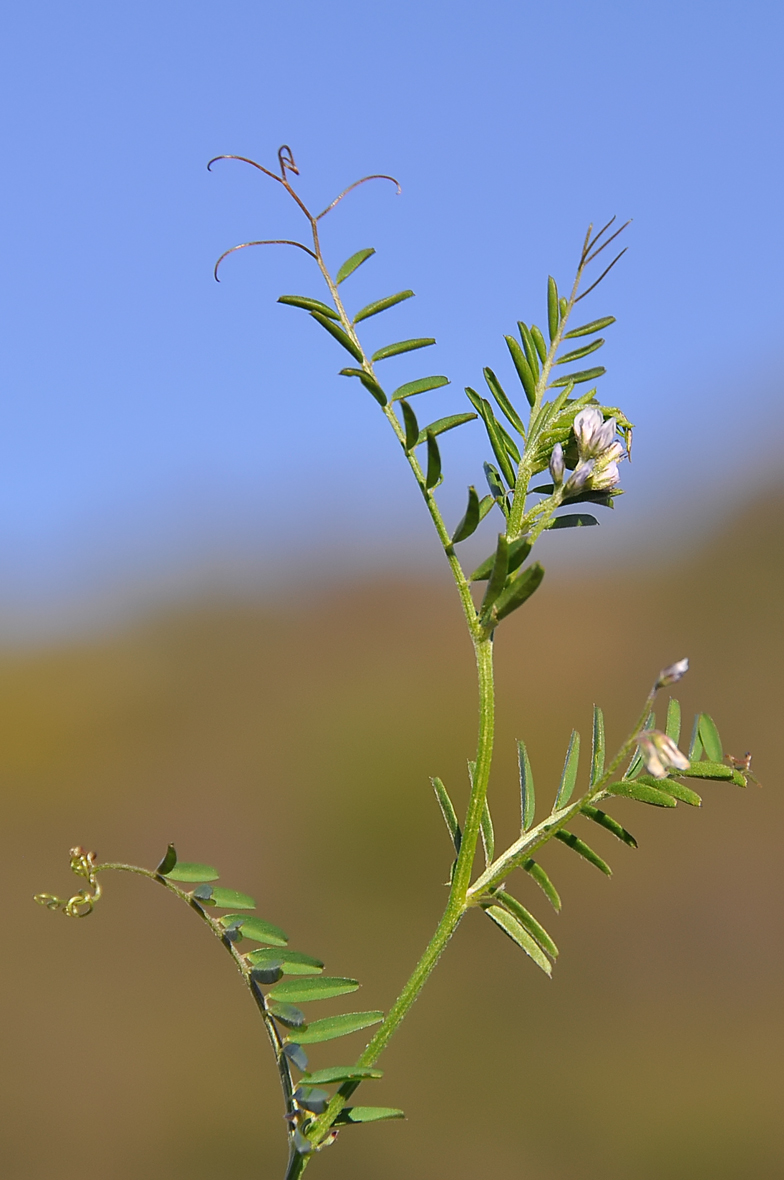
x=554, y=423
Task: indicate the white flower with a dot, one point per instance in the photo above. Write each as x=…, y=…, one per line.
x=593, y=434
x=673, y=673
x=660, y=754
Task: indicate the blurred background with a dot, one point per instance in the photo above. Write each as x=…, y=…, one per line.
x=223, y=619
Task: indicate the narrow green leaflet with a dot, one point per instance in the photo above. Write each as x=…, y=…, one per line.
x=642, y=793
x=563, y=303
x=553, y=316
x=709, y=736
x=448, y=812
x=535, y=870
x=410, y=425
x=672, y=725
x=433, y=473
x=388, y=350
x=578, y=353
x=297, y=1055
x=597, y=746
x=510, y=446
x=381, y=305
x=527, y=793
x=292, y=962
x=225, y=899
x=714, y=770
x=370, y=383
x=519, y=591
x=505, y=405
x=351, y=264
x=341, y=1073
x=309, y=304
x=580, y=847
x=338, y=1026
x=594, y=326
x=670, y=787
x=496, y=486
x=470, y=521
x=527, y=379
x=497, y=577
x=367, y=1114
x=288, y=1015
x=573, y=520
x=518, y=551
x=312, y=987
x=168, y=862
x=443, y=424
x=531, y=354
x=339, y=335
x=256, y=929
x=267, y=972
x=539, y=341
x=569, y=774
x=695, y=747
x=423, y=385
x=534, y=928
x=579, y=378
x=488, y=835
x=494, y=433
x=485, y=504
x=187, y=872
x=611, y=825
x=514, y=930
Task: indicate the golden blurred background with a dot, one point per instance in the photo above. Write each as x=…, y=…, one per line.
x=289, y=741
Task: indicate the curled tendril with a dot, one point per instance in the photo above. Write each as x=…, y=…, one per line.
x=287, y=164
x=82, y=903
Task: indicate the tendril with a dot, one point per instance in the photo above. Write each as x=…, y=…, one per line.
x=83, y=902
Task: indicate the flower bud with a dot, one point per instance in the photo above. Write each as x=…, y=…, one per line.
x=672, y=674
x=557, y=465
x=660, y=754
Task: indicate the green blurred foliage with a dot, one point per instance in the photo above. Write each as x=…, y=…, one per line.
x=290, y=744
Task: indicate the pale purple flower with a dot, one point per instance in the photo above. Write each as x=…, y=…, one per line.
x=673, y=673
x=660, y=754
x=578, y=479
x=593, y=434
x=557, y=464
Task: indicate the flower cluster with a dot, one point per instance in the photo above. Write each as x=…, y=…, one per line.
x=599, y=453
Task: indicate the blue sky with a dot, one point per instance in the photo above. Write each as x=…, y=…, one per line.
x=159, y=428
